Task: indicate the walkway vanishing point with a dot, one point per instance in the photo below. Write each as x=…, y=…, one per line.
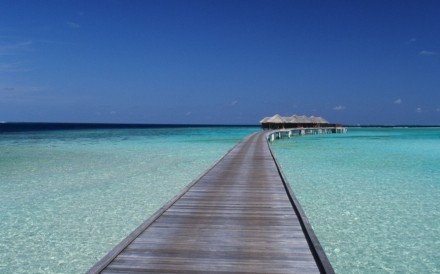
x=239, y=217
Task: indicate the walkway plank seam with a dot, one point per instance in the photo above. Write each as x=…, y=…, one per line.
x=238, y=217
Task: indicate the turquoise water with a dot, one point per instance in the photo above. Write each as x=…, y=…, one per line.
x=372, y=196
x=68, y=197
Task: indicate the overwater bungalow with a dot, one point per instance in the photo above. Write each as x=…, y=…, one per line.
x=295, y=121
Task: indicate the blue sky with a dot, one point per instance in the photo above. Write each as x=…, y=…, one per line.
x=219, y=62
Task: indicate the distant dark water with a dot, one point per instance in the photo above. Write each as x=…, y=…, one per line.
x=19, y=127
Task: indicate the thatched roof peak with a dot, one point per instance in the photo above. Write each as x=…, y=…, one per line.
x=294, y=119
x=276, y=119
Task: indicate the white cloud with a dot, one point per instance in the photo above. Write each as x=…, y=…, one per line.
x=427, y=52
x=21, y=89
x=410, y=41
x=73, y=25
x=19, y=93
x=23, y=44
x=233, y=103
x=418, y=110
x=11, y=67
x=398, y=101
x=11, y=49
x=338, y=108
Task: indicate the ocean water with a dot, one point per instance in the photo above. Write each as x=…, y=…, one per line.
x=371, y=195
x=68, y=197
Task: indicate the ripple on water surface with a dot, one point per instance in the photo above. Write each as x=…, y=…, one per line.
x=372, y=196
x=68, y=197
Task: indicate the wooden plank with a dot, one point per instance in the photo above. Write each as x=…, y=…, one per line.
x=238, y=217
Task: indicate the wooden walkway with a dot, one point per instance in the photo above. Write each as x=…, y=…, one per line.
x=239, y=217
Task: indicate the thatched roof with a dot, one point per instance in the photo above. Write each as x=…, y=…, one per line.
x=276, y=119
x=264, y=120
x=320, y=120
x=303, y=119
x=294, y=119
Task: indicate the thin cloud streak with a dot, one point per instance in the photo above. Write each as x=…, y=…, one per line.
x=410, y=41
x=339, y=108
x=428, y=53
x=11, y=67
x=397, y=101
x=73, y=25
x=20, y=93
x=10, y=49
x=21, y=89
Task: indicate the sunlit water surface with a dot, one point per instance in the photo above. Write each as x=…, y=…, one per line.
x=372, y=196
x=68, y=197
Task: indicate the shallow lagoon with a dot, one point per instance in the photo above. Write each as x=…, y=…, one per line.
x=372, y=196
x=68, y=197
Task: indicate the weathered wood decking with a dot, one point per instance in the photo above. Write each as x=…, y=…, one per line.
x=239, y=217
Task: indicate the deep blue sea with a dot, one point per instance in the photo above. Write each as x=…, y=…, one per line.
x=69, y=196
